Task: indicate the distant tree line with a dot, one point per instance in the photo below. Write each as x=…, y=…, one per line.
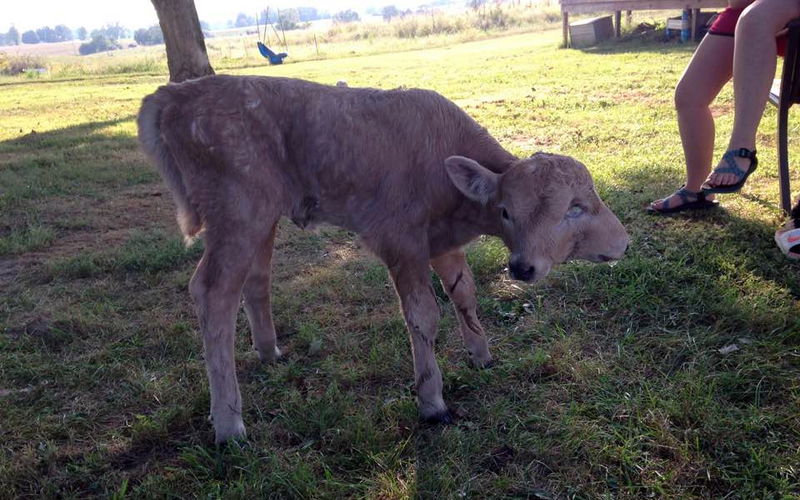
x=46, y=34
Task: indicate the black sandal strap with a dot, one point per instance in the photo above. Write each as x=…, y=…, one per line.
x=681, y=193
x=745, y=153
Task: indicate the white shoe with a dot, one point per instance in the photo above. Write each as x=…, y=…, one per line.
x=788, y=241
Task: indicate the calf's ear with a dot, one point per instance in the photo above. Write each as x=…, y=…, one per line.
x=473, y=180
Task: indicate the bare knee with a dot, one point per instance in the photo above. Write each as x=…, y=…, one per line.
x=765, y=19
x=687, y=97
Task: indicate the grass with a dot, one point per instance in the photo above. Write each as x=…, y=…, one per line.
x=611, y=381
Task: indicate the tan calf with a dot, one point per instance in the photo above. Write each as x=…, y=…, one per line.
x=407, y=170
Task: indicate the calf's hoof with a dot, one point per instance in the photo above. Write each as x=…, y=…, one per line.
x=482, y=363
x=222, y=436
x=444, y=417
x=269, y=356
x=229, y=431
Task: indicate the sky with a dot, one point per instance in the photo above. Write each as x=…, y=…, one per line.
x=133, y=14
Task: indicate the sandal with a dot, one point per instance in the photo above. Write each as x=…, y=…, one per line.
x=733, y=168
x=788, y=239
x=690, y=199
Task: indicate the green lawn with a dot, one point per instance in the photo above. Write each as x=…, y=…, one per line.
x=611, y=382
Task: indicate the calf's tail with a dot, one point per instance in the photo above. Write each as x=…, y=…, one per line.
x=152, y=141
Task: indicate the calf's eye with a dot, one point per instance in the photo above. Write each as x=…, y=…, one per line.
x=574, y=211
x=504, y=215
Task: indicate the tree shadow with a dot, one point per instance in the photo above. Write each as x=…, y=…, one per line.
x=73, y=135
x=641, y=39
x=78, y=160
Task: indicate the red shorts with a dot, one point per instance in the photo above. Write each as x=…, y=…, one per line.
x=725, y=25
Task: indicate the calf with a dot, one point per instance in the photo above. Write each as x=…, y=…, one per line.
x=407, y=170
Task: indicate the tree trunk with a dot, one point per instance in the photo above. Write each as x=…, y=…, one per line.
x=186, y=49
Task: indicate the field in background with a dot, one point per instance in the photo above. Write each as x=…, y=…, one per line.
x=611, y=381
x=321, y=40
x=236, y=49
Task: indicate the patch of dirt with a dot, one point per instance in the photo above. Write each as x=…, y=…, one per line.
x=722, y=109
x=54, y=335
x=498, y=459
x=37, y=327
x=623, y=96
x=534, y=144
x=139, y=458
x=104, y=223
x=8, y=271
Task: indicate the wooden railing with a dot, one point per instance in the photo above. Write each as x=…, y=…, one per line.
x=617, y=6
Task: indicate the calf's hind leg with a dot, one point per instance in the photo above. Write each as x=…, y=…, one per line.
x=216, y=288
x=456, y=277
x=257, y=302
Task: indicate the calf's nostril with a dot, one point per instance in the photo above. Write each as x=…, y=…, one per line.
x=528, y=273
x=520, y=272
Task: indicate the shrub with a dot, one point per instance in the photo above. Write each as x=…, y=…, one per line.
x=99, y=43
x=18, y=64
x=149, y=36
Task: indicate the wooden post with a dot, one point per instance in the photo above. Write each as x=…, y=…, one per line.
x=618, y=23
x=695, y=19
x=628, y=17
x=565, y=27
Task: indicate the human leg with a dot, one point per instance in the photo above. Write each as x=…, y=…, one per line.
x=753, y=71
x=708, y=71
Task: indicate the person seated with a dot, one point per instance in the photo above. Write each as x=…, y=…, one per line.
x=742, y=43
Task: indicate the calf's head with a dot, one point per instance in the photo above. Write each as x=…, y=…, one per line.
x=547, y=210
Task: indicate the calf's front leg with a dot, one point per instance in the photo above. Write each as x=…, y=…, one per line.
x=456, y=277
x=412, y=283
